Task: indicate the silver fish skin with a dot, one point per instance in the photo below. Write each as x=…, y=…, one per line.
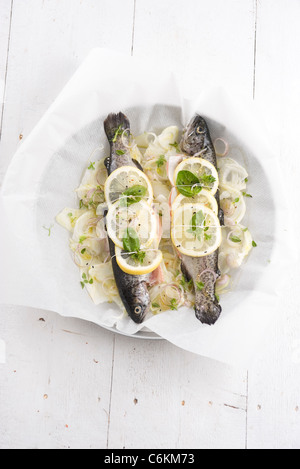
x=132, y=288
x=196, y=141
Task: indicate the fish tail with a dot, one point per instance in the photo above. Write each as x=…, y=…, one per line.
x=115, y=124
x=208, y=313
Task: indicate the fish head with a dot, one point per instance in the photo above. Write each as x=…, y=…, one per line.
x=194, y=136
x=208, y=313
x=138, y=304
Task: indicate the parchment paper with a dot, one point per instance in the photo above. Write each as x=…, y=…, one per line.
x=37, y=269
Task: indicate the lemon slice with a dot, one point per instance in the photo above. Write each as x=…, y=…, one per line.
x=201, y=168
x=195, y=230
x=123, y=179
x=134, y=266
x=204, y=197
x=140, y=216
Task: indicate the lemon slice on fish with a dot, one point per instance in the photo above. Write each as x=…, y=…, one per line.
x=204, y=197
x=128, y=183
x=140, y=217
x=196, y=230
x=146, y=262
x=205, y=171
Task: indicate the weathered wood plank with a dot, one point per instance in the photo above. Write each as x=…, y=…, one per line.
x=274, y=395
x=49, y=40
x=164, y=397
x=5, y=23
x=55, y=384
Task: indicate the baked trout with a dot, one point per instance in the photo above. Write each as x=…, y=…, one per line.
x=196, y=141
x=132, y=288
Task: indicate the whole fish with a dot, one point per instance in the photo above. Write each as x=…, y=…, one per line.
x=196, y=141
x=132, y=288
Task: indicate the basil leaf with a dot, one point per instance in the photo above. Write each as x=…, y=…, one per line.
x=197, y=220
x=188, y=184
x=133, y=194
x=131, y=242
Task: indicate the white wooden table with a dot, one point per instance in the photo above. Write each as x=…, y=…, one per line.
x=65, y=383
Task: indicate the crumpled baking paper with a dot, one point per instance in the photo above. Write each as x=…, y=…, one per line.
x=36, y=266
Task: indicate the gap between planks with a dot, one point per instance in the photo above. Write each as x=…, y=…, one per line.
x=6, y=66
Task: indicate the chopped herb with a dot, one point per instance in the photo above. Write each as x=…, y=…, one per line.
x=236, y=200
x=235, y=239
x=155, y=305
x=254, y=244
x=70, y=215
x=247, y=195
x=118, y=132
x=207, y=237
x=200, y=285
x=82, y=285
x=207, y=179
x=197, y=225
x=48, y=229
x=188, y=184
x=83, y=251
x=92, y=166
x=120, y=152
x=246, y=179
x=186, y=284
x=175, y=145
x=161, y=161
x=217, y=298
x=84, y=276
x=91, y=281
x=82, y=238
x=245, y=229
x=173, y=304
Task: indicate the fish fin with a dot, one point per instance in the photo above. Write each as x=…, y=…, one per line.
x=185, y=272
x=138, y=165
x=115, y=122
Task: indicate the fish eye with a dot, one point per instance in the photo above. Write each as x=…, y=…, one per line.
x=200, y=130
x=138, y=310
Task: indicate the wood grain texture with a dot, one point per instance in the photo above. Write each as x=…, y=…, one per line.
x=5, y=24
x=274, y=393
x=164, y=397
x=49, y=39
x=70, y=384
x=56, y=383
x=199, y=41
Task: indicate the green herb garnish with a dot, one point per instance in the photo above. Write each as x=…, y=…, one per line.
x=235, y=239
x=188, y=184
x=186, y=284
x=48, y=229
x=118, y=132
x=247, y=195
x=120, y=152
x=133, y=195
x=207, y=179
x=200, y=285
x=155, y=305
x=173, y=304
x=175, y=145
x=197, y=225
x=82, y=238
x=254, y=244
x=161, y=161
x=92, y=166
x=131, y=244
x=236, y=200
